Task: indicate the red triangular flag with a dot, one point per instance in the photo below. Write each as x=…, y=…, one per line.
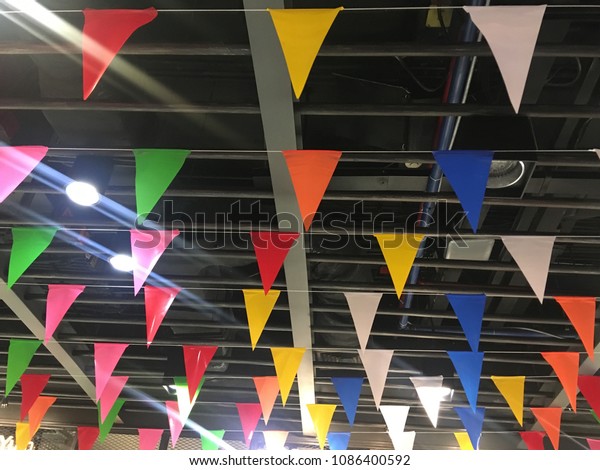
x=196, y=360
x=111, y=392
x=175, y=421
x=37, y=413
x=158, y=300
x=566, y=367
x=582, y=313
x=271, y=248
x=249, y=416
x=15, y=165
x=106, y=356
x=549, y=418
x=590, y=389
x=267, y=389
x=147, y=246
x=104, y=34
x=311, y=172
x=594, y=444
x=59, y=300
x=534, y=440
x=86, y=437
x=31, y=387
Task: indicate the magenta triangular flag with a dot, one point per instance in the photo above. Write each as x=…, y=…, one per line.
x=270, y=249
x=106, y=356
x=149, y=438
x=59, y=300
x=175, y=421
x=147, y=246
x=109, y=396
x=31, y=387
x=158, y=300
x=15, y=165
x=196, y=360
x=249, y=417
x=511, y=32
x=589, y=385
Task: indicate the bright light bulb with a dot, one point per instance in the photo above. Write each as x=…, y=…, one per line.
x=122, y=263
x=82, y=193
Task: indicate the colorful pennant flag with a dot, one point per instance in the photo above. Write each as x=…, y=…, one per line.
x=395, y=419
x=534, y=440
x=399, y=251
x=32, y=386
x=549, y=419
x=469, y=311
x=249, y=417
x=28, y=243
x=259, y=306
x=594, y=444
x=338, y=440
x=511, y=32
x=430, y=393
x=464, y=441
x=106, y=357
x=270, y=249
x=20, y=353
x=363, y=308
x=467, y=172
x=532, y=255
x=210, y=439
x=149, y=438
x=183, y=397
x=582, y=314
x=16, y=163
x=147, y=246
x=404, y=441
x=512, y=389
x=175, y=421
x=86, y=437
x=590, y=389
x=37, y=413
x=286, y=361
x=267, y=389
x=106, y=425
x=377, y=365
x=348, y=389
x=301, y=33
x=566, y=368
x=595, y=416
x=104, y=34
x=275, y=440
x=111, y=392
x=473, y=423
x=196, y=360
x=321, y=416
x=468, y=367
x=22, y=436
x=59, y=300
x=310, y=171
x=158, y=301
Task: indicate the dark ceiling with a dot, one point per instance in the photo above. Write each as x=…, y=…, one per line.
x=379, y=92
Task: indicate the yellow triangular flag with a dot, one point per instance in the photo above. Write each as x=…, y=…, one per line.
x=287, y=361
x=301, y=33
x=399, y=251
x=512, y=389
x=258, y=309
x=464, y=441
x=22, y=436
x=321, y=416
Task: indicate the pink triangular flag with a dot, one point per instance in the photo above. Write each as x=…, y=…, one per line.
x=175, y=421
x=249, y=417
x=86, y=437
x=106, y=356
x=147, y=246
x=594, y=444
x=532, y=255
x=377, y=364
x=158, y=300
x=31, y=387
x=511, y=32
x=196, y=360
x=149, y=438
x=59, y=300
x=363, y=308
x=15, y=165
x=111, y=392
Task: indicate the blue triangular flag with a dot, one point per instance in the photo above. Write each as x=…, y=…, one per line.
x=338, y=440
x=468, y=367
x=473, y=423
x=348, y=389
x=467, y=172
x=469, y=311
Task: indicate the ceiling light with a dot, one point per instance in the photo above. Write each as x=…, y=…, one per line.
x=122, y=263
x=82, y=193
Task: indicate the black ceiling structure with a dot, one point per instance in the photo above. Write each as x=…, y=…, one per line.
x=386, y=89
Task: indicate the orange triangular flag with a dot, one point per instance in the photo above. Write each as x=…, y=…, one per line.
x=311, y=172
x=37, y=413
x=301, y=33
x=258, y=310
x=267, y=389
x=287, y=361
x=513, y=391
x=549, y=419
x=582, y=313
x=566, y=368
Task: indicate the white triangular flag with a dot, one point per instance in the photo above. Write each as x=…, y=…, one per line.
x=275, y=440
x=404, y=440
x=395, y=417
x=363, y=307
x=429, y=390
x=377, y=364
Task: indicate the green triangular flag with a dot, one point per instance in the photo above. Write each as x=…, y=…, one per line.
x=155, y=169
x=595, y=415
x=20, y=353
x=183, y=397
x=28, y=244
x=208, y=443
x=107, y=425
